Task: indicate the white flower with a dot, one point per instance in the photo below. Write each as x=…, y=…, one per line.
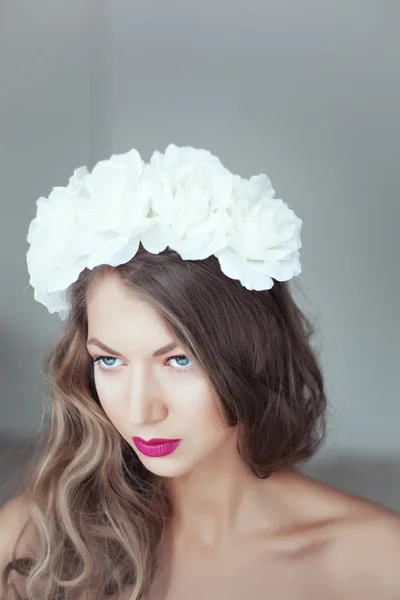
x=53, y=260
x=191, y=192
x=184, y=199
x=114, y=209
x=264, y=238
x=110, y=195
x=97, y=219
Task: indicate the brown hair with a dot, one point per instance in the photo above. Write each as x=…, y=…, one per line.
x=100, y=516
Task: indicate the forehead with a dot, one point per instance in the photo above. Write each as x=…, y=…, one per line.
x=115, y=309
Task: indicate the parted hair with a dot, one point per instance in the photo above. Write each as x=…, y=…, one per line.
x=99, y=515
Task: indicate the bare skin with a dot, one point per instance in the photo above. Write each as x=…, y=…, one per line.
x=334, y=546
x=233, y=535
x=327, y=545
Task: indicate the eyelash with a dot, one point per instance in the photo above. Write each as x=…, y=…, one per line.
x=176, y=369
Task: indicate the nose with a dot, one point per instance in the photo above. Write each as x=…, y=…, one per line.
x=146, y=405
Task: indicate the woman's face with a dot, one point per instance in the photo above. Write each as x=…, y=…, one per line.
x=148, y=392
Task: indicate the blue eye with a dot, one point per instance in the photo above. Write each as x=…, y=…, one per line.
x=181, y=359
x=109, y=363
x=106, y=363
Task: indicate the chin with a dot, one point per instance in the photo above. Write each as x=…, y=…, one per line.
x=164, y=467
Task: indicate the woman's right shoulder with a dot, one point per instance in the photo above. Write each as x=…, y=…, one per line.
x=14, y=515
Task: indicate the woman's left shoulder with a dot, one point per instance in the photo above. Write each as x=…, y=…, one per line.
x=365, y=556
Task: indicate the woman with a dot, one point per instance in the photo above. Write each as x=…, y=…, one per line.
x=184, y=395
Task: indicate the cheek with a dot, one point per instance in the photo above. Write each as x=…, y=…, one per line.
x=110, y=391
x=189, y=399
x=201, y=409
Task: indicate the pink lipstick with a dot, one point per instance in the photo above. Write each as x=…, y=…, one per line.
x=156, y=447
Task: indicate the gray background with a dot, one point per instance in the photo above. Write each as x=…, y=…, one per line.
x=308, y=92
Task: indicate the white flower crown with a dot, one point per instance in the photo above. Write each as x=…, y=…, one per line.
x=184, y=199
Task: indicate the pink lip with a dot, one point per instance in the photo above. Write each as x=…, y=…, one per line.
x=156, y=446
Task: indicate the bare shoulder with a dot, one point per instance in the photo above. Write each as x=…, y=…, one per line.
x=361, y=538
x=14, y=515
x=15, y=532
x=365, y=556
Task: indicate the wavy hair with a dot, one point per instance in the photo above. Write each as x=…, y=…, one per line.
x=100, y=516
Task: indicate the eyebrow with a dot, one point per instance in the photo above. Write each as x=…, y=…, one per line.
x=94, y=341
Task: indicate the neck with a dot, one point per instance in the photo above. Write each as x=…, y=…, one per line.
x=222, y=499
